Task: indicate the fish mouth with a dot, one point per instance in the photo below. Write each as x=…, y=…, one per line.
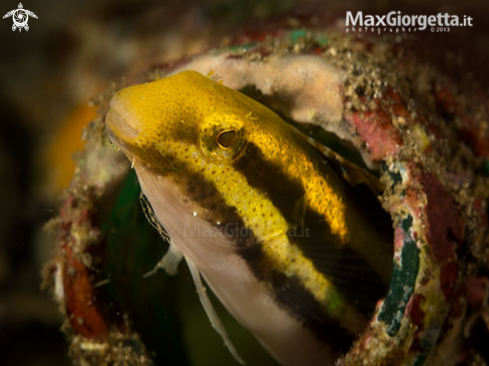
x=119, y=131
x=124, y=136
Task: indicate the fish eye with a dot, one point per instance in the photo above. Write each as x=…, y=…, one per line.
x=221, y=136
x=227, y=138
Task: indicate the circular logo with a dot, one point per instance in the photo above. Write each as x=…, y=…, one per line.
x=20, y=17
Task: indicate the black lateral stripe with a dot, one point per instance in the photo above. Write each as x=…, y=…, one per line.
x=284, y=192
x=351, y=274
x=204, y=192
x=291, y=295
x=353, y=277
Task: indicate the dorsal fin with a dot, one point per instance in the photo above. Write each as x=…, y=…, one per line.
x=351, y=172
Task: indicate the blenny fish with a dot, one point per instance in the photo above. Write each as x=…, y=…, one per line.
x=289, y=245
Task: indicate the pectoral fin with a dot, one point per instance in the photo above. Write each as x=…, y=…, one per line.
x=169, y=262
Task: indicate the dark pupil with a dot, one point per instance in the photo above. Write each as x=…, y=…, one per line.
x=227, y=139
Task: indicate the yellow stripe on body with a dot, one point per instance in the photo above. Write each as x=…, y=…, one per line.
x=320, y=196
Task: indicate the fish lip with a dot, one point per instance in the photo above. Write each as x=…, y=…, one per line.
x=124, y=136
x=119, y=132
x=119, y=127
x=112, y=137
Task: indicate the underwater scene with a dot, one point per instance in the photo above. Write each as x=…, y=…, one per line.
x=242, y=182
